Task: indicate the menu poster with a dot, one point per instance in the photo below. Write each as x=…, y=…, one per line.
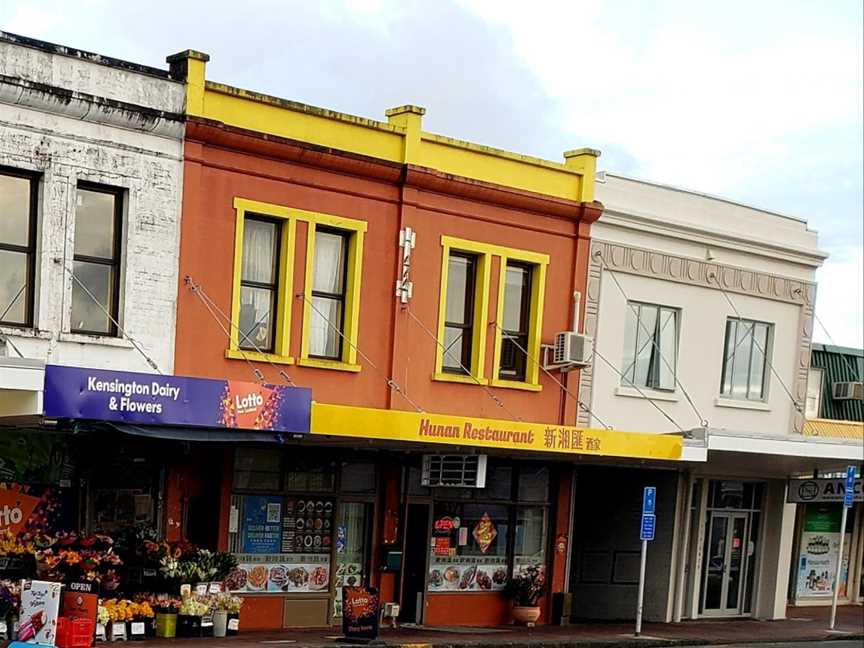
x=307, y=526
x=820, y=551
x=284, y=573
x=360, y=612
x=467, y=574
x=262, y=524
x=40, y=607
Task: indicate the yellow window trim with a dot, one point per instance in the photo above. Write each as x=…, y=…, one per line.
x=538, y=291
x=357, y=229
x=484, y=254
x=286, y=279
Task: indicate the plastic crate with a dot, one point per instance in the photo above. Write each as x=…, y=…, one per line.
x=75, y=633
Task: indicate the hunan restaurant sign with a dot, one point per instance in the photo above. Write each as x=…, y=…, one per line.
x=422, y=427
x=155, y=399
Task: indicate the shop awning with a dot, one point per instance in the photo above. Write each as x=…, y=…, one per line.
x=200, y=434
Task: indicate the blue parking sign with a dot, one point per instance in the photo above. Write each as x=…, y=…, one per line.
x=649, y=499
x=849, y=487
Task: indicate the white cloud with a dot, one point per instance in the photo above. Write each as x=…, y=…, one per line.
x=840, y=300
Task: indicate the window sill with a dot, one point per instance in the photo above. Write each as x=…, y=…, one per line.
x=23, y=332
x=255, y=356
x=759, y=406
x=515, y=384
x=650, y=394
x=83, y=338
x=459, y=378
x=334, y=365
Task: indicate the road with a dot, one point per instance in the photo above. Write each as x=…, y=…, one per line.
x=834, y=643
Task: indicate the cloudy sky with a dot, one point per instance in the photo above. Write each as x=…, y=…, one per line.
x=756, y=101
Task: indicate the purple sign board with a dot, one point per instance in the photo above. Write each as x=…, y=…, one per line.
x=154, y=399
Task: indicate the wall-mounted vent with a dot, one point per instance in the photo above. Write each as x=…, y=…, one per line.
x=467, y=471
x=848, y=391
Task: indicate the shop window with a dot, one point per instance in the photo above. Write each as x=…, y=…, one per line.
x=469, y=547
x=533, y=483
x=331, y=314
x=259, y=283
x=310, y=475
x=358, y=477
x=745, y=361
x=415, y=482
x=257, y=469
x=18, y=192
x=650, y=346
x=96, y=263
x=520, y=312
x=530, y=538
x=353, y=537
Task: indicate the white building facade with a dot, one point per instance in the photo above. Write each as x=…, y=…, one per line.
x=702, y=311
x=90, y=190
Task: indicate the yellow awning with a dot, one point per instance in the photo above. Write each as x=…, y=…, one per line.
x=834, y=429
x=422, y=427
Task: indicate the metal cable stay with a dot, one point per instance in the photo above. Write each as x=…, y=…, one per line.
x=5, y=338
x=212, y=306
x=563, y=387
x=795, y=403
x=498, y=401
x=135, y=344
x=391, y=383
x=703, y=422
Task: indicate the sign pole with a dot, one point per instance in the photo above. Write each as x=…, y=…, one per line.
x=641, y=588
x=848, y=494
x=646, y=533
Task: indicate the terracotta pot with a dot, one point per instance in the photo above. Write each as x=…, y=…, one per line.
x=526, y=615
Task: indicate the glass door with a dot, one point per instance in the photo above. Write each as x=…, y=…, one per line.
x=725, y=563
x=353, y=526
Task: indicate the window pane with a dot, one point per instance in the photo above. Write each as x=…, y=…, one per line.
x=757, y=365
x=259, y=251
x=323, y=339
x=13, y=276
x=644, y=345
x=460, y=285
x=256, y=318
x=741, y=359
x=530, y=540
x=630, y=323
x=499, y=482
x=94, y=224
x=533, y=483
x=668, y=348
x=515, y=289
x=728, y=356
x=14, y=210
x=86, y=314
x=358, y=477
x=257, y=469
x=329, y=273
x=454, y=341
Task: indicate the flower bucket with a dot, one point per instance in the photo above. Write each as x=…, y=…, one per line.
x=220, y=623
x=233, y=624
x=166, y=625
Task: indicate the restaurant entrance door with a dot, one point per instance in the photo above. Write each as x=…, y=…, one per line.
x=416, y=554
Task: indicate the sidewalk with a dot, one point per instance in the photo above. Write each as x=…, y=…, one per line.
x=803, y=624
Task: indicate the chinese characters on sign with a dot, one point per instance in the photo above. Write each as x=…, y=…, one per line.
x=561, y=438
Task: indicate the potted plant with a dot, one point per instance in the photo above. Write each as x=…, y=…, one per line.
x=525, y=590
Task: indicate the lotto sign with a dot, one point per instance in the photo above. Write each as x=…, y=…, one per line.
x=15, y=510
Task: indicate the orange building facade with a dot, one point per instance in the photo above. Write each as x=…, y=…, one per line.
x=412, y=282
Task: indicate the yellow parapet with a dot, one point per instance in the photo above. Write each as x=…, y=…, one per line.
x=399, y=139
x=422, y=427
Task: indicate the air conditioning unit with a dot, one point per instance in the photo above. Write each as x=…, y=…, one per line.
x=574, y=349
x=847, y=391
x=467, y=471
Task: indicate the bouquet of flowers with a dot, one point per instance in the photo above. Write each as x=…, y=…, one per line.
x=10, y=597
x=119, y=609
x=228, y=602
x=102, y=615
x=195, y=605
x=526, y=587
x=225, y=564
